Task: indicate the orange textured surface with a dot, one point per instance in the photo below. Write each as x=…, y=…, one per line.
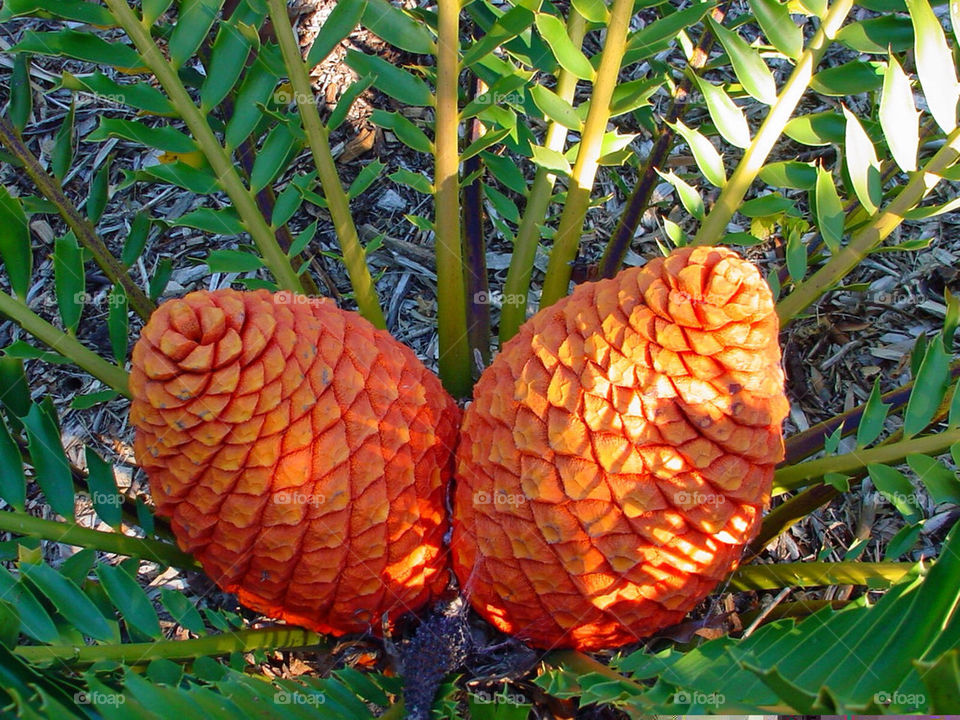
x=300, y=454
x=619, y=452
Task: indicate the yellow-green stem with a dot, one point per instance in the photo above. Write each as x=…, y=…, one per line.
x=354, y=257
x=528, y=235
x=67, y=345
x=21, y=523
x=807, y=473
x=227, y=176
x=714, y=226
x=882, y=224
x=451, y=293
x=811, y=574
x=567, y=240
x=279, y=637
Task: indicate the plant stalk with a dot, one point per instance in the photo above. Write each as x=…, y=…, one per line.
x=83, y=229
x=714, y=226
x=227, y=175
x=109, y=374
x=809, y=574
x=795, y=476
x=517, y=285
x=883, y=223
x=164, y=553
x=567, y=240
x=454, y=356
x=279, y=637
x=354, y=257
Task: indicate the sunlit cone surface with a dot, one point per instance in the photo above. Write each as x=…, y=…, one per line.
x=301, y=454
x=619, y=451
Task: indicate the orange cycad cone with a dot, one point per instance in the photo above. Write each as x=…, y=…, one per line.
x=301, y=454
x=619, y=452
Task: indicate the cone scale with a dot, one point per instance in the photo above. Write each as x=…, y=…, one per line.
x=301, y=454
x=619, y=452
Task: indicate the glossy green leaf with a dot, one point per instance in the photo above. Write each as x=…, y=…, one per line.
x=928, y=389
x=276, y=151
x=796, y=256
x=346, y=100
x=504, y=206
x=303, y=239
x=81, y=46
x=136, y=238
x=182, y=611
x=633, y=94
x=513, y=22
x=822, y=128
x=21, y=92
x=851, y=78
x=392, y=24
x=704, y=154
x=556, y=108
x=194, y=20
x=35, y=621
x=862, y=164
x=876, y=35
x=160, y=278
x=941, y=482
x=164, y=138
x=774, y=19
x=89, y=400
x=61, y=156
x=130, y=599
x=139, y=95
x=899, y=117
x=550, y=160
x=118, y=323
x=227, y=61
x=391, y=79
x=71, y=602
x=649, y=40
x=903, y=541
x=789, y=174
x=491, y=137
x=725, y=114
x=593, y=10
x=256, y=88
x=766, y=205
x=13, y=483
x=81, y=11
x=570, y=57
x=51, y=468
x=344, y=17
x=408, y=132
x=953, y=418
x=224, y=221
x=106, y=499
x=370, y=172
x=14, y=389
x=935, y=66
x=830, y=215
x=99, y=189
x=505, y=171
x=689, y=197
x=873, y=418
x=750, y=69
x=15, y=248
x=70, y=280
x=153, y=9
x=233, y=261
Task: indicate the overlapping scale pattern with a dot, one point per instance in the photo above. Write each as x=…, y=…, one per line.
x=301, y=454
x=619, y=451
